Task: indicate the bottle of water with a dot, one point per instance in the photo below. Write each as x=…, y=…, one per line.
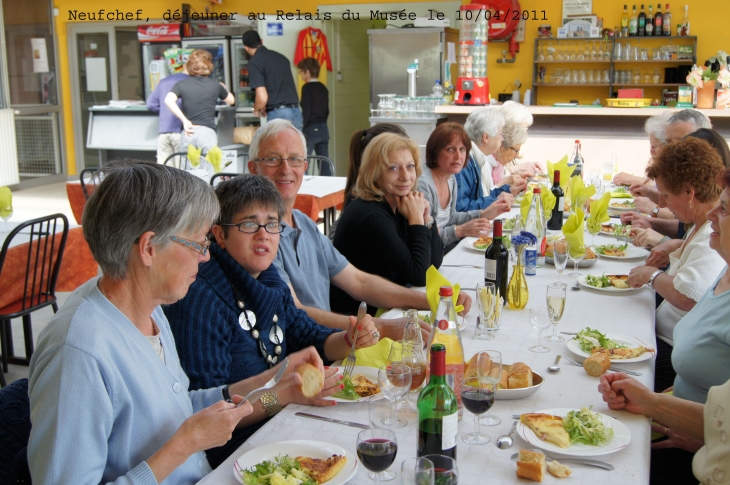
x=536, y=225
x=438, y=91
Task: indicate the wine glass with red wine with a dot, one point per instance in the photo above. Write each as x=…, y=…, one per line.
x=409, y=353
x=446, y=471
x=477, y=399
x=376, y=449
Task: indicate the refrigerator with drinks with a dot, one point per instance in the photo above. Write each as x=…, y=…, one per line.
x=219, y=51
x=154, y=41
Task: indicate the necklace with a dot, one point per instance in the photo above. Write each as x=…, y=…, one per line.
x=247, y=320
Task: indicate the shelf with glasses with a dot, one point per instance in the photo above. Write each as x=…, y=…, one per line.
x=587, y=61
x=650, y=85
x=584, y=85
x=656, y=61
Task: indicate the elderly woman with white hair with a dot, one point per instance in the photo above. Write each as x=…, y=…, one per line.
x=516, y=117
x=476, y=188
x=655, y=127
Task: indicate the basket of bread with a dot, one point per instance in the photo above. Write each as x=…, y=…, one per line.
x=516, y=381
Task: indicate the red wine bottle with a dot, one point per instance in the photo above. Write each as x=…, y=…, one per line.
x=437, y=410
x=556, y=219
x=496, y=261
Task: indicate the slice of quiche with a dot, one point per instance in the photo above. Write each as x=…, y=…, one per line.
x=624, y=353
x=364, y=387
x=321, y=469
x=547, y=427
x=620, y=281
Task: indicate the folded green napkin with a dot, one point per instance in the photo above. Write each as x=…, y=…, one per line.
x=599, y=213
x=6, y=203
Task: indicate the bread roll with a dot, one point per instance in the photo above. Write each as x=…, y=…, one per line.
x=597, y=364
x=559, y=470
x=312, y=379
x=530, y=465
x=471, y=367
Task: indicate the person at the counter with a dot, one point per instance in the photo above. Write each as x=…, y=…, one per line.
x=168, y=139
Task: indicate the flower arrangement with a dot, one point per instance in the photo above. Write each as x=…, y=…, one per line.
x=715, y=69
x=519, y=241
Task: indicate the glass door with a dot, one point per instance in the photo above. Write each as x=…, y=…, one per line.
x=241, y=88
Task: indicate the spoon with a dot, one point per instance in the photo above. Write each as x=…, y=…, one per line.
x=505, y=441
x=555, y=367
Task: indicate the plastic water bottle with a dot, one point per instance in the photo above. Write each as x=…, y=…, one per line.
x=438, y=91
x=536, y=225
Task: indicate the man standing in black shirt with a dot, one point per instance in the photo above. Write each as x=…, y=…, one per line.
x=271, y=77
x=315, y=110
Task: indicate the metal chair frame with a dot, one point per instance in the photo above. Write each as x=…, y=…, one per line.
x=182, y=163
x=92, y=172
x=39, y=284
x=320, y=159
x=222, y=175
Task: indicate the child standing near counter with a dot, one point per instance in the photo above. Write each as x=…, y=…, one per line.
x=315, y=110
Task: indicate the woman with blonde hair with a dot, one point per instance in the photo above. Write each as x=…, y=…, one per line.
x=387, y=229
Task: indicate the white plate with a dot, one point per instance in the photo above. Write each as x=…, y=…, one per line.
x=626, y=340
x=369, y=372
x=611, y=205
x=608, y=289
x=632, y=252
x=469, y=244
x=621, y=437
x=509, y=394
x=583, y=263
x=294, y=448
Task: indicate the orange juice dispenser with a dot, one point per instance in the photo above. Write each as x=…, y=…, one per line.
x=472, y=85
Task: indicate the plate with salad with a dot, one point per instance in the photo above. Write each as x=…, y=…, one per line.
x=481, y=244
x=620, y=251
x=276, y=464
x=621, y=204
x=621, y=192
x=608, y=283
x=590, y=433
x=358, y=389
x=619, y=231
x=589, y=339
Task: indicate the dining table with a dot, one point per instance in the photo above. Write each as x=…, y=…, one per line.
x=626, y=313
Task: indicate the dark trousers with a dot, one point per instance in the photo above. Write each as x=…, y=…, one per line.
x=664, y=373
x=318, y=137
x=671, y=467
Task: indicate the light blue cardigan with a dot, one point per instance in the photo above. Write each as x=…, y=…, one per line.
x=101, y=400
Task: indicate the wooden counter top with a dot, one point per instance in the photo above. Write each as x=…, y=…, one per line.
x=554, y=111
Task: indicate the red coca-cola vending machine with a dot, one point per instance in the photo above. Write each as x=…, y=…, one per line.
x=155, y=39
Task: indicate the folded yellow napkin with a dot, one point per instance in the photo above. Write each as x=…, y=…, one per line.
x=525, y=207
x=565, y=171
x=599, y=213
x=375, y=355
x=579, y=192
x=215, y=158
x=6, y=202
x=573, y=229
x=546, y=198
x=434, y=282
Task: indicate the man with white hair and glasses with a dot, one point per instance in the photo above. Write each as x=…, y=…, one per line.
x=306, y=258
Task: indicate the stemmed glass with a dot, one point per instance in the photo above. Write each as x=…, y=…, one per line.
x=394, y=381
x=5, y=214
x=576, y=253
x=478, y=398
x=379, y=415
x=556, y=304
x=489, y=376
x=540, y=320
x=417, y=471
x=560, y=256
x=486, y=301
x=376, y=449
x=410, y=354
x=447, y=473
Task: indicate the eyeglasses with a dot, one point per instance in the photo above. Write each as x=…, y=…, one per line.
x=249, y=227
x=200, y=248
x=517, y=152
x=276, y=161
x=653, y=148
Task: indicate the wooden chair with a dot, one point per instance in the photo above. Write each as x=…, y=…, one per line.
x=319, y=161
x=89, y=174
x=42, y=262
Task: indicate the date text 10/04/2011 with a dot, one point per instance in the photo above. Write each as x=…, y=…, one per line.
x=509, y=14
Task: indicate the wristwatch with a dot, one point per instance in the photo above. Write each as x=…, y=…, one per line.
x=655, y=212
x=653, y=277
x=226, y=394
x=270, y=403
x=429, y=224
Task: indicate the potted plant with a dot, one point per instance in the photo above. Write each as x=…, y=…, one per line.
x=705, y=78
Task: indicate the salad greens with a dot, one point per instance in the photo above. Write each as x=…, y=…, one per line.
x=589, y=339
x=348, y=392
x=621, y=190
x=621, y=230
x=284, y=470
x=586, y=427
x=598, y=281
x=611, y=247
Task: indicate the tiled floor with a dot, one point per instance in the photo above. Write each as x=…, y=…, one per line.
x=29, y=204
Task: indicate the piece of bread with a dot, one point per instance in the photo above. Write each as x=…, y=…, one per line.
x=597, y=364
x=547, y=428
x=530, y=465
x=520, y=376
x=312, y=379
x=320, y=469
x=471, y=367
x=558, y=469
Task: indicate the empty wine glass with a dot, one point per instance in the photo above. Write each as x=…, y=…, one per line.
x=489, y=372
x=417, y=471
x=486, y=301
x=410, y=354
x=560, y=256
x=394, y=381
x=540, y=320
x=446, y=471
x=376, y=449
x=556, y=304
x=576, y=253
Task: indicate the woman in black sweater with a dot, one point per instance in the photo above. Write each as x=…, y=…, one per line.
x=387, y=229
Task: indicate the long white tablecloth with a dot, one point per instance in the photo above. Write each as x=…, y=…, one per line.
x=629, y=314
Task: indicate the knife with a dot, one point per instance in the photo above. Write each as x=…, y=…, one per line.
x=330, y=420
x=569, y=333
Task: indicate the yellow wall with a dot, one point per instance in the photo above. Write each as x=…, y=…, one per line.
x=704, y=24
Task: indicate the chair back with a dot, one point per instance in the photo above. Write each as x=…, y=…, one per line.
x=178, y=160
x=41, y=260
x=14, y=432
x=89, y=176
x=221, y=177
x=320, y=160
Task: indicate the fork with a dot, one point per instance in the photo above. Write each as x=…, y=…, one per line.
x=274, y=381
x=580, y=461
x=350, y=360
x=615, y=369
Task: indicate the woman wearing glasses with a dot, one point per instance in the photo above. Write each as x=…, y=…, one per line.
x=514, y=135
x=239, y=318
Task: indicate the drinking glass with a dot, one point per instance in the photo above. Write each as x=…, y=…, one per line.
x=394, y=381
x=379, y=415
x=478, y=398
x=417, y=471
x=446, y=471
x=576, y=253
x=376, y=449
x=560, y=256
x=540, y=320
x=489, y=379
x=556, y=304
x=486, y=301
x=411, y=354
x=7, y=213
